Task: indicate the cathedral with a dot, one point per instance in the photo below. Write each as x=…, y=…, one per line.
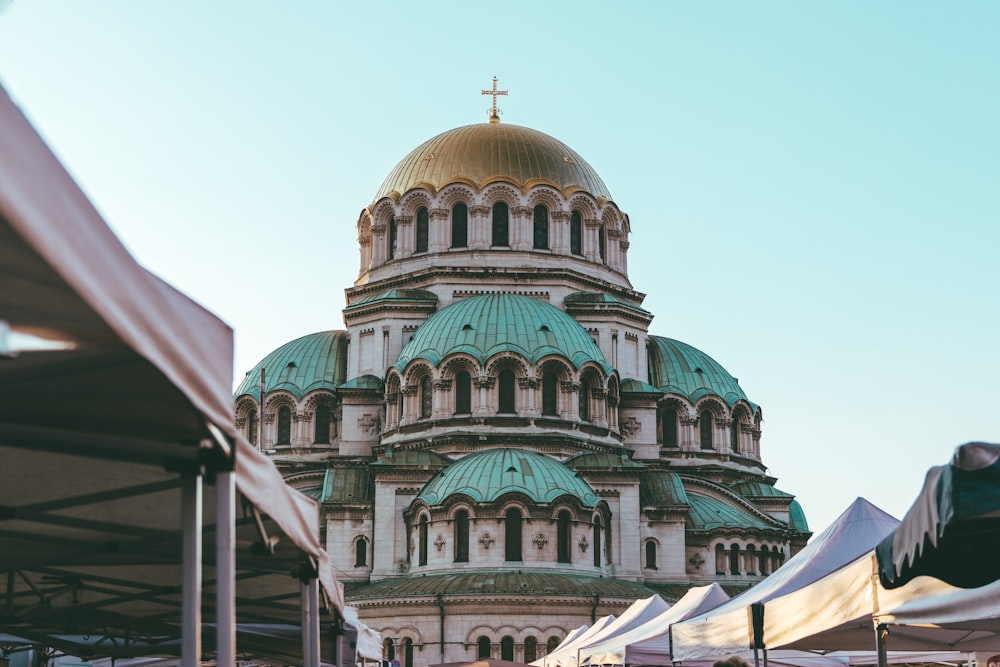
x=501, y=450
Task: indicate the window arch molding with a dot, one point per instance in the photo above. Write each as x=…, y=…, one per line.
x=551, y=374
x=671, y=412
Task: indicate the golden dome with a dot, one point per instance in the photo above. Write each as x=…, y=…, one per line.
x=486, y=152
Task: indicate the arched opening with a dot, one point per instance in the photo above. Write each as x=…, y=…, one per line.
x=284, y=426
x=734, y=560
x=321, y=430
x=252, y=427
x=541, y=227
x=426, y=397
x=668, y=426
x=530, y=649
x=390, y=649
x=507, y=648
x=463, y=393
x=763, y=561
x=751, y=559
x=705, y=420
x=407, y=652
x=391, y=250
x=461, y=536
x=584, y=397
x=360, y=552
x=563, y=530
x=720, y=559
x=550, y=384
x=483, y=647
x=597, y=541
x=460, y=225
x=650, y=555
x=501, y=235
x=601, y=243
x=422, y=231
x=512, y=535
x=551, y=643
x=506, y=389
x=576, y=233
x=423, y=540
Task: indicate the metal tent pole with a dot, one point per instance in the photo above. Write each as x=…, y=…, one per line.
x=225, y=567
x=310, y=622
x=191, y=505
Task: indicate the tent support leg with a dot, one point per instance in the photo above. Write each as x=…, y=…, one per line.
x=756, y=657
x=880, y=634
x=225, y=567
x=191, y=503
x=310, y=622
x=764, y=652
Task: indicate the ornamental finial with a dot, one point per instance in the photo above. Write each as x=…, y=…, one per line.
x=494, y=112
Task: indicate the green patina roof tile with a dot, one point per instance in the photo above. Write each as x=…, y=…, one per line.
x=660, y=488
x=363, y=382
x=677, y=367
x=751, y=489
x=316, y=361
x=797, y=517
x=348, y=485
x=709, y=514
x=485, y=476
x=603, y=460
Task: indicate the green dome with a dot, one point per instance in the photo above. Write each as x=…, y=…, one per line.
x=681, y=369
x=709, y=514
x=487, y=475
x=316, y=361
x=485, y=325
x=486, y=152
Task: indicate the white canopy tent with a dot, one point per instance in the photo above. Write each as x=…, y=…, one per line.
x=567, y=647
x=649, y=643
x=728, y=628
x=638, y=614
x=115, y=408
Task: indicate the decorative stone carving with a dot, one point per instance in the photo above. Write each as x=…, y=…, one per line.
x=439, y=542
x=540, y=540
x=697, y=561
x=486, y=540
x=631, y=426
x=369, y=424
x=584, y=544
x=527, y=383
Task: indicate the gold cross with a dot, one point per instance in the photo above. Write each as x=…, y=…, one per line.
x=494, y=112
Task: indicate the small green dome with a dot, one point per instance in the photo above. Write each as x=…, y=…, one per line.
x=487, y=475
x=679, y=368
x=486, y=152
x=797, y=517
x=316, y=361
x=488, y=324
x=710, y=514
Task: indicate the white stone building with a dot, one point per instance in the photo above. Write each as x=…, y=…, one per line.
x=501, y=449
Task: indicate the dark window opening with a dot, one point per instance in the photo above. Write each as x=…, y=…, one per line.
x=585, y=400
x=563, y=551
x=426, y=398
x=460, y=226
x=601, y=242
x=541, y=227
x=507, y=648
x=668, y=425
x=734, y=435
x=407, y=652
x=422, y=230
x=500, y=225
x=321, y=433
x=597, y=543
x=506, y=387
x=284, y=426
x=705, y=425
x=576, y=233
x=463, y=393
x=734, y=559
x=483, y=647
x=252, y=427
x=392, y=237
x=512, y=535
x=650, y=555
x=461, y=536
x=720, y=559
x=530, y=649
x=423, y=540
x=550, y=383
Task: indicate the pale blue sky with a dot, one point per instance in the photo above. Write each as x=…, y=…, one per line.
x=813, y=187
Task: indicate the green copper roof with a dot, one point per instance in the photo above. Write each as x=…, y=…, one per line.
x=632, y=386
x=577, y=298
x=396, y=296
x=487, y=475
x=708, y=514
x=797, y=517
x=488, y=324
x=750, y=489
x=348, y=485
x=492, y=582
x=421, y=458
x=315, y=361
x=679, y=368
x=659, y=488
x=603, y=460
x=486, y=152
x=362, y=382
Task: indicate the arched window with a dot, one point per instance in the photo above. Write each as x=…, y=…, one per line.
x=751, y=559
x=668, y=426
x=512, y=535
x=551, y=643
x=507, y=648
x=563, y=530
x=585, y=400
x=407, y=652
x=483, y=647
x=461, y=536
x=390, y=649
x=463, y=393
x=650, y=555
x=734, y=559
x=426, y=397
x=321, y=431
x=601, y=242
x=763, y=560
x=576, y=233
x=506, y=386
x=541, y=216
x=500, y=224
x=252, y=427
x=734, y=434
x=391, y=253
x=284, y=426
x=720, y=559
x=530, y=649
x=360, y=552
x=421, y=231
x=597, y=542
x=423, y=540
x=705, y=425
x=460, y=226
x=550, y=384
